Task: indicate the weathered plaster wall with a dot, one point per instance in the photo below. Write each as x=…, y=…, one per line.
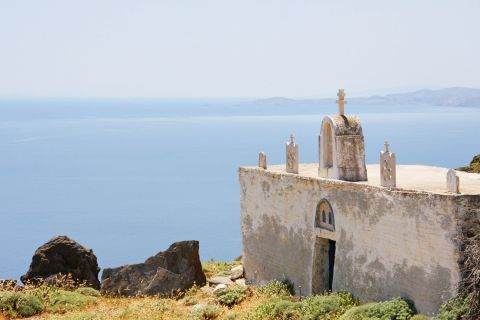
x=388, y=243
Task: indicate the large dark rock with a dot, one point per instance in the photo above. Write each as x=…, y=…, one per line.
x=176, y=269
x=63, y=256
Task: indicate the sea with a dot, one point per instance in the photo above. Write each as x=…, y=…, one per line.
x=128, y=177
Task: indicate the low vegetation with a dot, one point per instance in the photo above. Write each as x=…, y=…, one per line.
x=276, y=288
x=396, y=309
x=474, y=166
x=330, y=306
x=455, y=309
x=18, y=304
x=29, y=302
x=217, y=268
x=232, y=296
x=272, y=301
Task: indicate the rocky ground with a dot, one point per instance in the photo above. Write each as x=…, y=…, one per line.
x=224, y=296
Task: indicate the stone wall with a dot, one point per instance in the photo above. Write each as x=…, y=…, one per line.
x=388, y=243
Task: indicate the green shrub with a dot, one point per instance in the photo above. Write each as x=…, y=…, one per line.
x=268, y=310
x=328, y=306
x=17, y=304
x=276, y=288
x=208, y=312
x=419, y=317
x=324, y=307
x=87, y=291
x=287, y=310
x=358, y=313
x=395, y=309
x=60, y=301
x=455, y=309
x=231, y=296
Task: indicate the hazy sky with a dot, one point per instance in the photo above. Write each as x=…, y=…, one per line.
x=235, y=47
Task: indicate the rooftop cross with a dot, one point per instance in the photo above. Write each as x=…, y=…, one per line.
x=341, y=101
x=387, y=146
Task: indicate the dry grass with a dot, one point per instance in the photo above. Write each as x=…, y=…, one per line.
x=152, y=308
x=127, y=308
x=156, y=308
x=195, y=304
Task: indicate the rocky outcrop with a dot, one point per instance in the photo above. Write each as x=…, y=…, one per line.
x=62, y=256
x=176, y=269
x=474, y=166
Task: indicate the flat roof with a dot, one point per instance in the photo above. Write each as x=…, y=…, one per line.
x=410, y=177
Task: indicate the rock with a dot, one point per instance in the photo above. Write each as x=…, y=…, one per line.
x=62, y=256
x=237, y=272
x=241, y=282
x=199, y=307
x=176, y=269
x=219, y=287
x=220, y=280
x=207, y=289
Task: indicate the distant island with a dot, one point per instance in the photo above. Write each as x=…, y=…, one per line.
x=449, y=97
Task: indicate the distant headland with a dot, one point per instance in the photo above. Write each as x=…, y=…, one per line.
x=449, y=97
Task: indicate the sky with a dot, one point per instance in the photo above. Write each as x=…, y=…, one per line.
x=235, y=48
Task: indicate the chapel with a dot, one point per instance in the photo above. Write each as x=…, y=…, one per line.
x=377, y=230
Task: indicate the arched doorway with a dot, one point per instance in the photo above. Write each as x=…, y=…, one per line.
x=324, y=249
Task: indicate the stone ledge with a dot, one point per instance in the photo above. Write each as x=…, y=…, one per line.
x=410, y=179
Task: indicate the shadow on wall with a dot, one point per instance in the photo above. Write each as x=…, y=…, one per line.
x=371, y=280
x=274, y=251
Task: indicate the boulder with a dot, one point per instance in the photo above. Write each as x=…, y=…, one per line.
x=241, y=283
x=220, y=280
x=237, y=272
x=219, y=287
x=207, y=289
x=63, y=256
x=176, y=269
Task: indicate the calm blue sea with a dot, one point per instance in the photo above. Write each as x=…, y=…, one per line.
x=128, y=177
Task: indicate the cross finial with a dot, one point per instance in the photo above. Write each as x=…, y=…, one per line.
x=387, y=146
x=292, y=138
x=341, y=101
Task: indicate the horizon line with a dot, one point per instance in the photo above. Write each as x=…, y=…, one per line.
x=187, y=97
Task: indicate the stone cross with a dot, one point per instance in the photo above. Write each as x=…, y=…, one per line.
x=341, y=101
x=262, y=160
x=292, y=156
x=453, y=181
x=388, y=168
